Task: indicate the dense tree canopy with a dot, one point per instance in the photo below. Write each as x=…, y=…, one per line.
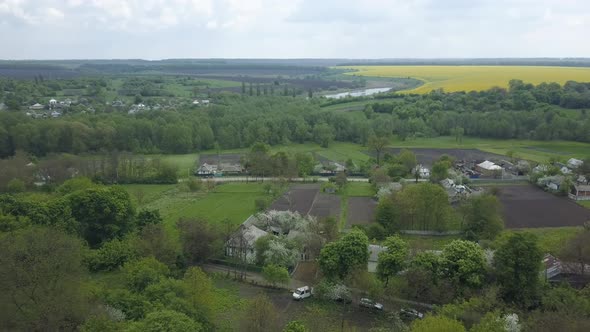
x=522, y=111
x=517, y=263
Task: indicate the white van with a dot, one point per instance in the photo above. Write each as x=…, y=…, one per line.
x=302, y=293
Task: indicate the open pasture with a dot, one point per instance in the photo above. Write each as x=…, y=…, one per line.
x=531, y=207
x=468, y=78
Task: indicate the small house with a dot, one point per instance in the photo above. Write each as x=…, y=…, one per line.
x=574, y=163
x=242, y=242
x=580, y=192
x=552, y=183
x=206, y=170
x=52, y=102
x=36, y=107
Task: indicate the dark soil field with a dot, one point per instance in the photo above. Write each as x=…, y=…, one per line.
x=213, y=159
x=361, y=211
x=299, y=198
x=307, y=200
x=428, y=156
x=526, y=206
x=325, y=205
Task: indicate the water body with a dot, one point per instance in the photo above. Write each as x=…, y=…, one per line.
x=358, y=93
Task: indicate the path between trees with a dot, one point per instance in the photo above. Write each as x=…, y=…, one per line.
x=257, y=279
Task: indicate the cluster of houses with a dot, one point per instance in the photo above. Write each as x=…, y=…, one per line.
x=561, y=177
x=324, y=168
x=53, y=108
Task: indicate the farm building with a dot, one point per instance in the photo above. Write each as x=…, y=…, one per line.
x=223, y=168
x=329, y=168
x=574, y=163
x=488, y=168
x=580, y=192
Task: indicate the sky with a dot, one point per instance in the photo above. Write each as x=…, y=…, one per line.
x=361, y=29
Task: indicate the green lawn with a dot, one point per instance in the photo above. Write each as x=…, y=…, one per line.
x=427, y=242
x=585, y=204
x=551, y=240
x=356, y=189
x=233, y=201
x=186, y=163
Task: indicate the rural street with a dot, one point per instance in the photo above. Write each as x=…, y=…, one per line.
x=263, y=179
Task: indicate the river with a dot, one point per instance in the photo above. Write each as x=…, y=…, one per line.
x=357, y=93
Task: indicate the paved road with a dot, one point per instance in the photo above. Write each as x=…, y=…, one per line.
x=266, y=179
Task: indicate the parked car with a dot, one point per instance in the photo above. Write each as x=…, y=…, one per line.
x=410, y=314
x=302, y=293
x=368, y=303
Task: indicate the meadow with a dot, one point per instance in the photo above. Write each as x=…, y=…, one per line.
x=468, y=78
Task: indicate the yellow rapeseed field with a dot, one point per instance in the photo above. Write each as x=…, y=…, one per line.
x=468, y=78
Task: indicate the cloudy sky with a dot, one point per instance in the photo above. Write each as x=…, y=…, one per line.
x=157, y=29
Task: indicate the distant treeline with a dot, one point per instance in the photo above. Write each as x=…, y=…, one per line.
x=544, y=112
x=562, y=62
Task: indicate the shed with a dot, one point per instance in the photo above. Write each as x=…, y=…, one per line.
x=580, y=192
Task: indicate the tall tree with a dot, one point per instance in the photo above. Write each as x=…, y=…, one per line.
x=482, y=218
x=517, y=263
x=464, y=264
x=41, y=277
x=393, y=259
x=103, y=213
x=337, y=259
x=577, y=249
x=377, y=144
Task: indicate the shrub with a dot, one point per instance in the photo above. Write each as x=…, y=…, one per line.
x=15, y=186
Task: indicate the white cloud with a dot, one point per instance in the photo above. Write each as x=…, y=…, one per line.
x=294, y=28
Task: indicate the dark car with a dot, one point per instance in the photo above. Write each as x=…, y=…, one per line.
x=368, y=303
x=410, y=314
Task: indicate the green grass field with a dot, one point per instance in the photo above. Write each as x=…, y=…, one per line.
x=468, y=78
x=233, y=201
x=551, y=240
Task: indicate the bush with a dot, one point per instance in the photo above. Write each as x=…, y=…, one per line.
x=195, y=185
x=111, y=255
x=275, y=274
x=15, y=186
x=261, y=204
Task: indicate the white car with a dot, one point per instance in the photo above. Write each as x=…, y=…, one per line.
x=302, y=293
x=368, y=303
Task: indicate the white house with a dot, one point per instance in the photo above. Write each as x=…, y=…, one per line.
x=52, y=102
x=574, y=163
